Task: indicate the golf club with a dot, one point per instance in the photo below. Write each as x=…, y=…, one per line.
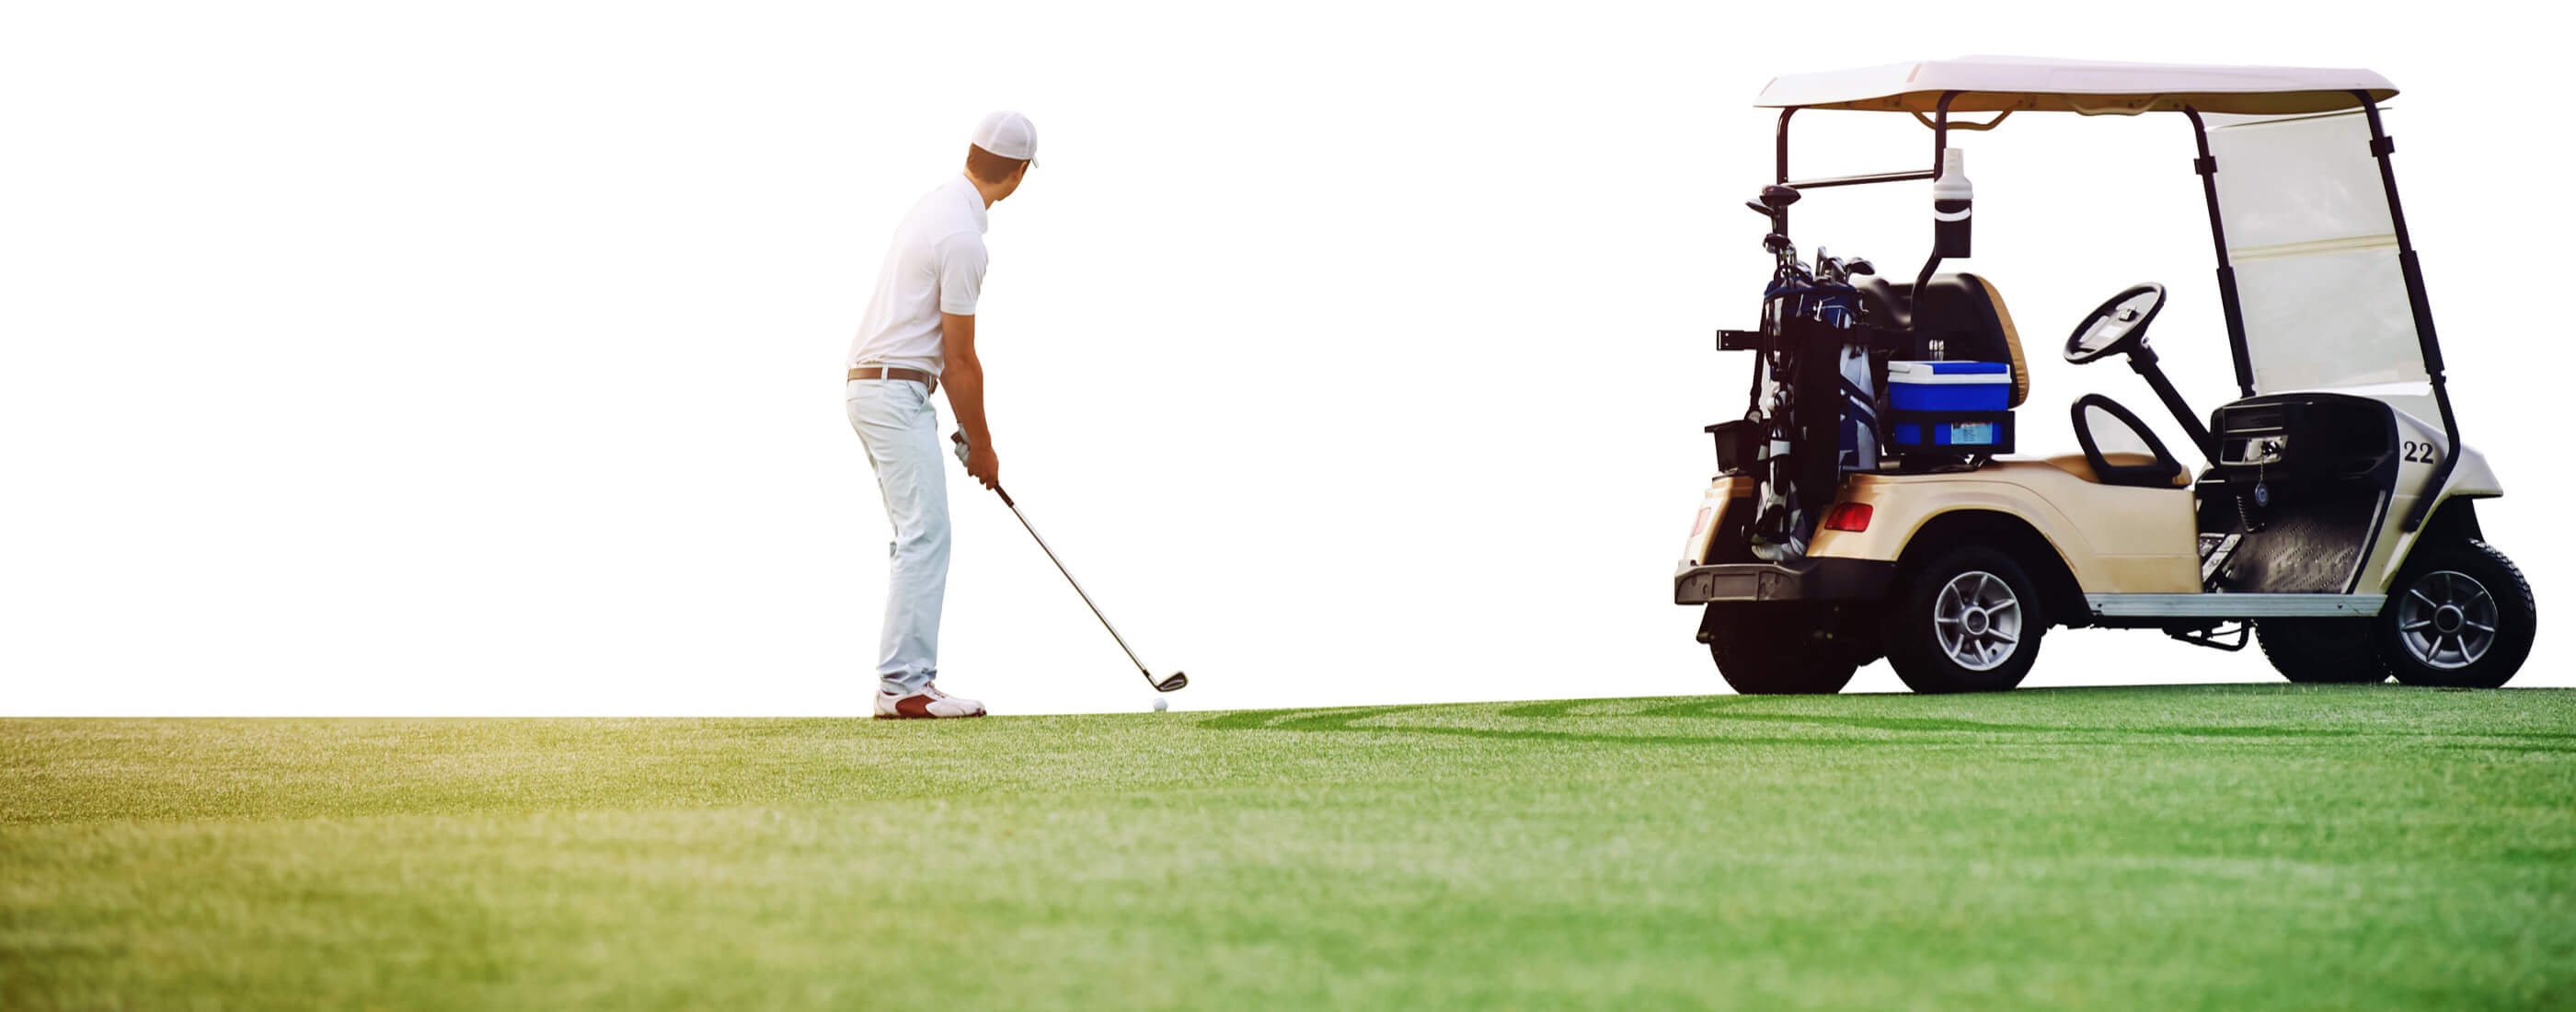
x=1178, y=681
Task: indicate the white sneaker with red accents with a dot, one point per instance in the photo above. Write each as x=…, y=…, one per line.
x=927, y=704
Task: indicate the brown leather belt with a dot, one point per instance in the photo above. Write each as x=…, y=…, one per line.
x=869, y=372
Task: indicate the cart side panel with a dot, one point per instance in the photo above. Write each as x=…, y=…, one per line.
x=1719, y=527
x=2113, y=539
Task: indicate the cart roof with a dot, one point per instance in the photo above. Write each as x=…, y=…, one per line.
x=2000, y=83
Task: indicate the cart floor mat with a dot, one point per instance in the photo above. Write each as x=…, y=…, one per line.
x=2314, y=548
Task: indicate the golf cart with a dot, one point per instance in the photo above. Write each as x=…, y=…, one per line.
x=1865, y=505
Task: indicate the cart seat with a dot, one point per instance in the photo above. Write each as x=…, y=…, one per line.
x=2119, y=449
x=1968, y=315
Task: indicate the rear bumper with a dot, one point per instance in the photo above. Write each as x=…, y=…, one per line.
x=1826, y=579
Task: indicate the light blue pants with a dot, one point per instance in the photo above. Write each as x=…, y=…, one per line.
x=894, y=420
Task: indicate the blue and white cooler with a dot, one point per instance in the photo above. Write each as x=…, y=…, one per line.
x=1958, y=407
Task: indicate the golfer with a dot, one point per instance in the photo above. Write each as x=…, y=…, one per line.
x=919, y=335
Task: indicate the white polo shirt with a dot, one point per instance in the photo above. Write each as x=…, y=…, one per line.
x=935, y=266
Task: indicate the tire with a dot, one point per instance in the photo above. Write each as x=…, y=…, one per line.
x=2322, y=651
x=1969, y=620
x=2459, y=616
x=1783, y=648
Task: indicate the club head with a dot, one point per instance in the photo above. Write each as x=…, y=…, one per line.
x=1777, y=197
x=1774, y=243
x=1176, y=683
x=1859, y=266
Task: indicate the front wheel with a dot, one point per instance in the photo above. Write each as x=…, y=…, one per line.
x=1968, y=621
x=2322, y=650
x=1781, y=647
x=2459, y=616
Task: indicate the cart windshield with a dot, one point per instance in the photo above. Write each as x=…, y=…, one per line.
x=2310, y=236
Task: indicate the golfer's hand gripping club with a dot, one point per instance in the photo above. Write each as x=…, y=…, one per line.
x=957, y=441
x=966, y=455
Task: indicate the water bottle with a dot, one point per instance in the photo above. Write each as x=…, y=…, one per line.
x=1951, y=196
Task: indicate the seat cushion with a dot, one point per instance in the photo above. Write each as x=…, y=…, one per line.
x=2075, y=464
x=2012, y=338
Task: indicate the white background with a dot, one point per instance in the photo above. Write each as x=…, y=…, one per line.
x=483, y=358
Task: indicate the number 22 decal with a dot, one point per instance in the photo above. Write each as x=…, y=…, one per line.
x=2421, y=453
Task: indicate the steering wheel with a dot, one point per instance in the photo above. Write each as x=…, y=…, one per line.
x=2117, y=327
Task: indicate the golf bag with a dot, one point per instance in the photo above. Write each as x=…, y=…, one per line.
x=1808, y=389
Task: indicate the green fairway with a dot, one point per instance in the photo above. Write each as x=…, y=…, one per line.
x=2220, y=848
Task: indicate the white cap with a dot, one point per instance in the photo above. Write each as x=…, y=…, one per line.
x=1007, y=134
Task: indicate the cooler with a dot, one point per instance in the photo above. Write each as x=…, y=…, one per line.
x=1960, y=406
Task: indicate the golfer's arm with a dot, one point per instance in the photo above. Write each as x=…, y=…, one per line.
x=962, y=375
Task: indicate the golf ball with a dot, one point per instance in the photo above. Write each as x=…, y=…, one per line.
x=1161, y=704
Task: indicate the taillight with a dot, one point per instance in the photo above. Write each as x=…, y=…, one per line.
x=1848, y=516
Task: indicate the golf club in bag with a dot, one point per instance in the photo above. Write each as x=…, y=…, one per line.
x=1178, y=680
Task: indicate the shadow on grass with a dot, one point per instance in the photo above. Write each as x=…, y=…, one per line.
x=1346, y=720
x=1916, y=731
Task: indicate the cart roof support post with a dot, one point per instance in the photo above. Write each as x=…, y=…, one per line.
x=2380, y=148
x=1780, y=216
x=2228, y=305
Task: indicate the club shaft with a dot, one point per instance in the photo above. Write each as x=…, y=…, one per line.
x=1077, y=586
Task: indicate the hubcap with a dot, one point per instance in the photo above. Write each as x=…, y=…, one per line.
x=2447, y=620
x=1978, y=620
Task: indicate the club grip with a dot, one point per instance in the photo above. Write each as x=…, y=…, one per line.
x=958, y=440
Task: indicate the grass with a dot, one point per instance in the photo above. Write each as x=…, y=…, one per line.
x=2217, y=848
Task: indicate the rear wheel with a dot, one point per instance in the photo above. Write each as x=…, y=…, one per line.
x=1782, y=647
x=2329, y=651
x=2459, y=616
x=1967, y=621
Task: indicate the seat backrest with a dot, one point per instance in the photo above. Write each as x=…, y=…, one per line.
x=1968, y=315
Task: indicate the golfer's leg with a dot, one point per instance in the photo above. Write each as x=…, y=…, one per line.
x=919, y=503
x=902, y=436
